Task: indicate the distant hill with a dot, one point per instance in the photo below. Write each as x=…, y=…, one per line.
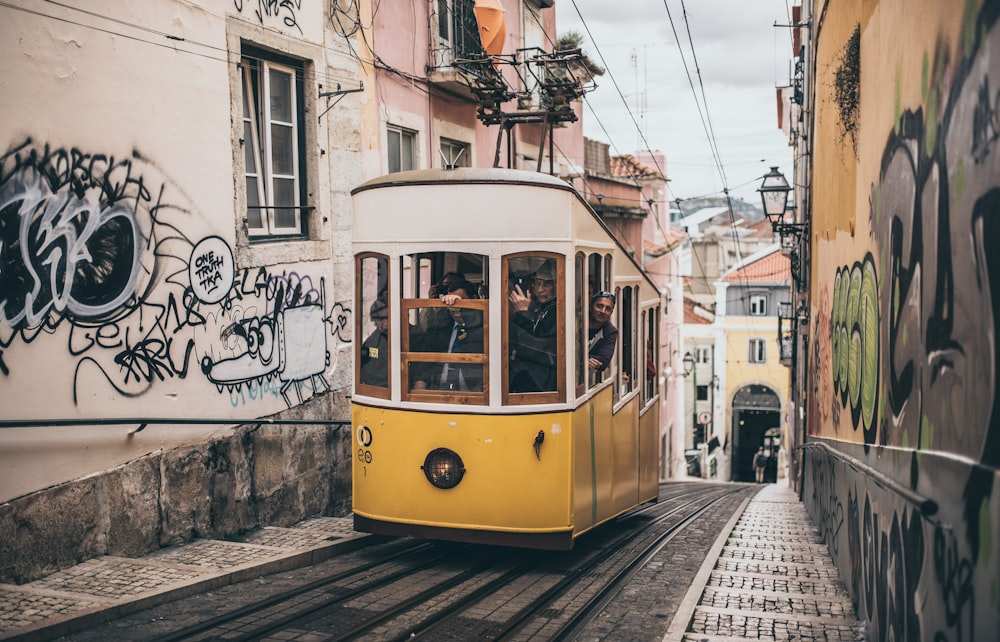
x=742, y=209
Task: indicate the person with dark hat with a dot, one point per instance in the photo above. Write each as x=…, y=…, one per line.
x=603, y=334
x=533, y=333
x=375, y=349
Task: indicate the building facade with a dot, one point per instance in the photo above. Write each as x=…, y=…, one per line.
x=893, y=113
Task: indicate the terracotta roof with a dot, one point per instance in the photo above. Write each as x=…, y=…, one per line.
x=772, y=268
x=689, y=314
x=627, y=166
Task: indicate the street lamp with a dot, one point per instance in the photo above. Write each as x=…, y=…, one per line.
x=688, y=364
x=774, y=191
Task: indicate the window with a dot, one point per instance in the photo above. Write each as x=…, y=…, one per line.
x=702, y=354
x=457, y=31
x=626, y=331
x=757, y=351
x=372, y=325
x=702, y=392
x=758, y=305
x=400, y=149
x=455, y=154
x=444, y=350
x=651, y=339
x=273, y=144
x=534, y=368
x=583, y=320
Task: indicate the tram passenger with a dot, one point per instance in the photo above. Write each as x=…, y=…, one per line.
x=431, y=317
x=463, y=334
x=533, y=333
x=375, y=349
x=603, y=334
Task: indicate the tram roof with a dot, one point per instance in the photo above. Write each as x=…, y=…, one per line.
x=464, y=175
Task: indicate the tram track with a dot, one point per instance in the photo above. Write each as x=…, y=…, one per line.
x=412, y=589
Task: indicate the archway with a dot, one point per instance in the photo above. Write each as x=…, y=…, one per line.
x=756, y=423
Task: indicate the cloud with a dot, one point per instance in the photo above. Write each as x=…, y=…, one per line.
x=741, y=57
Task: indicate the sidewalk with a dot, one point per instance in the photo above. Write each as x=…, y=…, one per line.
x=106, y=588
x=768, y=577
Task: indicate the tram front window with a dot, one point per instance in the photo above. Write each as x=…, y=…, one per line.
x=445, y=341
x=455, y=334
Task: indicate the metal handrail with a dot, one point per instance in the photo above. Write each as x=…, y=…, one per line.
x=928, y=507
x=145, y=421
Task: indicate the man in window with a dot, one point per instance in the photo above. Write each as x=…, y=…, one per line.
x=603, y=334
x=533, y=333
x=375, y=349
x=462, y=334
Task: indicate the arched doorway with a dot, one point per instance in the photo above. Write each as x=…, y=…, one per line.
x=756, y=423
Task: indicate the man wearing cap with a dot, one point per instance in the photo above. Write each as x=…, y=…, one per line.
x=375, y=349
x=533, y=342
x=603, y=334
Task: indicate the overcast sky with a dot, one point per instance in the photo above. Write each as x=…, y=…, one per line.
x=741, y=55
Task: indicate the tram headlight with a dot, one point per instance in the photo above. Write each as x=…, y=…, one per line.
x=443, y=468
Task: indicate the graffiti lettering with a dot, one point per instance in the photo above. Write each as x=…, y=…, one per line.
x=284, y=9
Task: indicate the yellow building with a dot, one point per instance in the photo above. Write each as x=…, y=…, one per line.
x=752, y=393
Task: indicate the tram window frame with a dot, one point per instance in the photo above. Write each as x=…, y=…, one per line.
x=409, y=356
x=583, y=324
x=368, y=287
x=536, y=258
x=419, y=274
x=627, y=334
x=599, y=279
x=650, y=340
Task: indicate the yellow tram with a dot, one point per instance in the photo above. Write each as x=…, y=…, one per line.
x=470, y=422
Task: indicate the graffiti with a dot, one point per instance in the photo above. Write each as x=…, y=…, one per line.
x=339, y=319
x=92, y=250
x=254, y=391
x=829, y=509
x=289, y=344
x=286, y=10
x=211, y=269
x=954, y=576
x=854, y=339
x=69, y=239
x=892, y=564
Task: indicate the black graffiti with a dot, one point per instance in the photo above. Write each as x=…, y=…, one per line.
x=286, y=10
x=892, y=558
x=69, y=239
x=151, y=359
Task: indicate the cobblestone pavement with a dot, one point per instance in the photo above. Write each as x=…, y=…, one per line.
x=767, y=577
x=771, y=578
x=106, y=588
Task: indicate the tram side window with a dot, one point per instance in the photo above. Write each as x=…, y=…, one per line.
x=651, y=340
x=372, y=323
x=627, y=331
x=598, y=280
x=580, y=273
x=535, y=287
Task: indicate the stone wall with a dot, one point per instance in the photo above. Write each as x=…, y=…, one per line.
x=257, y=475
